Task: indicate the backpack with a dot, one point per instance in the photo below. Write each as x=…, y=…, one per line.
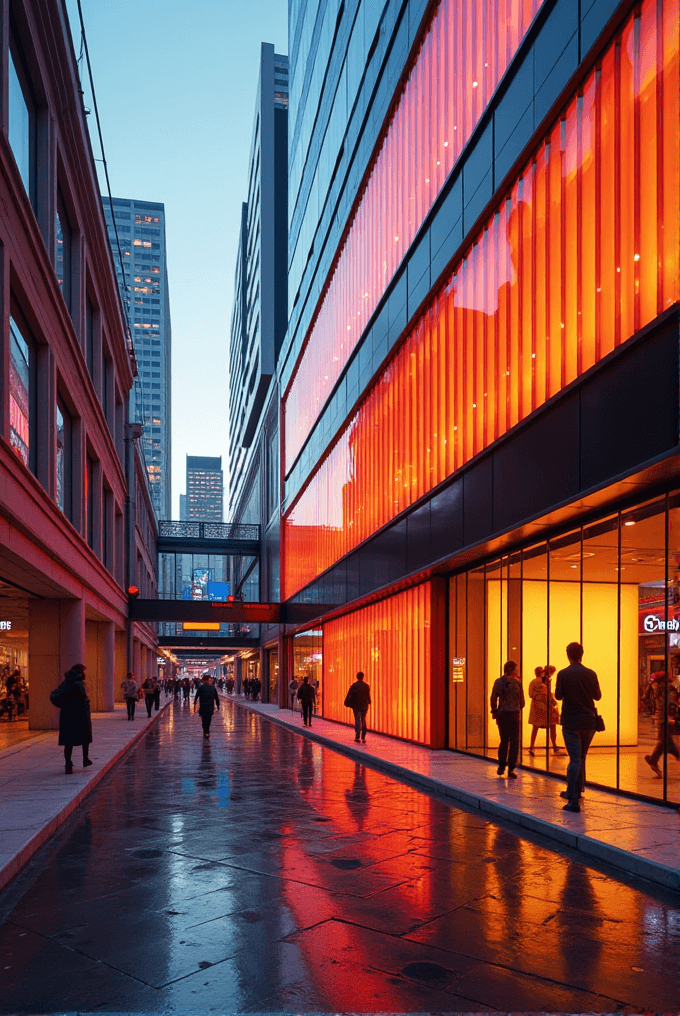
x=60, y=696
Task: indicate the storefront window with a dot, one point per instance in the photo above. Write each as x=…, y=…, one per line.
x=644, y=690
x=613, y=586
x=308, y=661
x=273, y=662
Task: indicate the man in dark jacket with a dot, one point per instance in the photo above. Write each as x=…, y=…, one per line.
x=578, y=690
x=358, y=699
x=306, y=697
x=206, y=701
x=75, y=722
x=507, y=703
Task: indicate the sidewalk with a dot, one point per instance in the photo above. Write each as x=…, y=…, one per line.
x=36, y=796
x=639, y=838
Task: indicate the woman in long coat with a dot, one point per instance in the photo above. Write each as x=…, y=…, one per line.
x=538, y=714
x=75, y=722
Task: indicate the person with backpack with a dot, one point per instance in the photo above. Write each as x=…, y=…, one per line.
x=130, y=693
x=75, y=721
x=358, y=699
x=507, y=703
x=306, y=695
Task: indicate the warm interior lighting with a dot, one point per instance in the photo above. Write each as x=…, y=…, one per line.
x=200, y=626
x=600, y=633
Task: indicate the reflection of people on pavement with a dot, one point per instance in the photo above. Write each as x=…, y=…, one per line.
x=306, y=766
x=357, y=796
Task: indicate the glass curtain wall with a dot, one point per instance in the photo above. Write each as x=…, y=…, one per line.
x=614, y=586
x=308, y=662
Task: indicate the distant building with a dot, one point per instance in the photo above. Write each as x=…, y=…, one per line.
x=205, y=489
x=182, y=507
x=140, y=229
x=260, y=310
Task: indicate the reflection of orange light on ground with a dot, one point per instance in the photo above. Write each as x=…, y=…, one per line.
x=524, y=312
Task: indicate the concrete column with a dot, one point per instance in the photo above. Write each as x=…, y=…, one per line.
x=137, y=658
x=120, y=664
x=107, y=667
x=56, y=640
x=92, y=663
x=238, y=674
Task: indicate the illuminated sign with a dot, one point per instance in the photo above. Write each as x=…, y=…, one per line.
x=652, y=623
x=458, y=670
x=201, y=626
x=5, y=625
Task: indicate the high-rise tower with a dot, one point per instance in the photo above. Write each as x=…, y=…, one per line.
x=140, y=229
x=205, y=489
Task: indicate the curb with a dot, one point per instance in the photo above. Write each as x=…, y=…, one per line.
x=624, y=860
x=14, y=866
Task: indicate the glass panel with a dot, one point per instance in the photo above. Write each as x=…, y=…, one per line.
x=534, y=648
x=20, y=408
x=19, y=125
x=458, y=663
x=390, y=642
x=308, y=662
x=599, y=626
x=63, y=258
x=645, y=693
x=60, y=463
x=273, y=675
x=496, y=641
x=477, y=705
x=673, y=637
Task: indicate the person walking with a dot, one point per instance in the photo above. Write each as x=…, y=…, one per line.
x=306, y=697
x=149, y=688
x=358, y=699
x=507, y=703
x=75, y=721
x=157, y=696
x=130, y=693
x=578, y=689
x=206, y=701
x=663, y=691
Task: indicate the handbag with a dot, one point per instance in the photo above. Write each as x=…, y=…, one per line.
x=599, y=722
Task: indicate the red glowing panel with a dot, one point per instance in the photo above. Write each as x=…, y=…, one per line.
x=465, y=52
x=390, y=642
x=573, y=261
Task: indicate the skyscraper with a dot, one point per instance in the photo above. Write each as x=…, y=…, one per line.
x=260, y=310
x=479, y=449
x=140, y=228
x=205, y=489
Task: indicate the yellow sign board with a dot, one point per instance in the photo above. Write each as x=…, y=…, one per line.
x=458, y=670
x=200, y=626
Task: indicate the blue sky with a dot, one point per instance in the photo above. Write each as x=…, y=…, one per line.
x=176, y=86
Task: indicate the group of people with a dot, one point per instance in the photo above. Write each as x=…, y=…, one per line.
x=149, y=690
x=578, y=688
x=358, y=699
x=252, y=686
x=13, y=693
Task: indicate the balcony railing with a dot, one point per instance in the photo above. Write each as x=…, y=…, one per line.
x=208, y=531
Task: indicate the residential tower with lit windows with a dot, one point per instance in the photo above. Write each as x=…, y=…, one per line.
x=138, y=245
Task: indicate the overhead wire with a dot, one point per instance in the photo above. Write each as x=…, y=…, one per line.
x=126, y=310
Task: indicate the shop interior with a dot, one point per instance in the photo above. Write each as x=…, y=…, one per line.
x=613, y=586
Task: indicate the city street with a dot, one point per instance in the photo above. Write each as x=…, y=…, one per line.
x=259, y=871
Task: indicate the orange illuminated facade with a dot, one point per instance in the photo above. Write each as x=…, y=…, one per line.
x=464, y=53
x=390, y=642
x=576, y=257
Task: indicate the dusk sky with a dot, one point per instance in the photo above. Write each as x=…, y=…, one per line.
x=176, y=87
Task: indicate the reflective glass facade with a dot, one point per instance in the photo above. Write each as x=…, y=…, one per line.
x=390, y=642
x=576, y=257
x=467, y=47
x=613, y=586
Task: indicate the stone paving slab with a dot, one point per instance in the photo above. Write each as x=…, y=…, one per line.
x=36, y=796
x=640, y=838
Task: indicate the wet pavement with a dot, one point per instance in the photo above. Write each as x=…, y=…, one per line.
x=262, y=872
